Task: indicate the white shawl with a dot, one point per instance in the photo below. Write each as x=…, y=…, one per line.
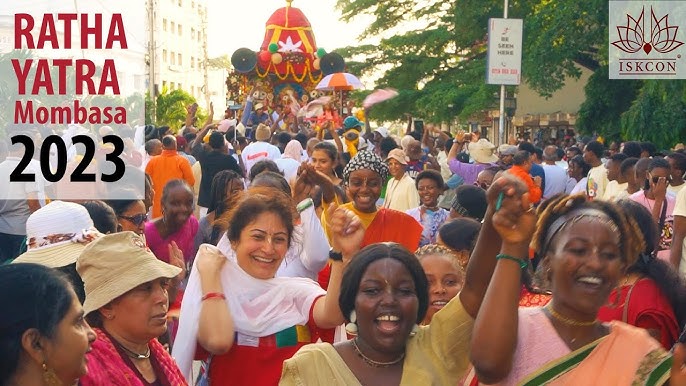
x=258, y=307
x=308, y=253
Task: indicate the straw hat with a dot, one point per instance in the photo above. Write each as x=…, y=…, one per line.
x=115, y=264
x=241, y=128
x=398, y=155
x=263, y=132
x=57, y=234
x=482, y=151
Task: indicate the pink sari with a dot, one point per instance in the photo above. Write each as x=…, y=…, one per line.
x=107, y=367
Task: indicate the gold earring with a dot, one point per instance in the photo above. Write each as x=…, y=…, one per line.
x=49, y=376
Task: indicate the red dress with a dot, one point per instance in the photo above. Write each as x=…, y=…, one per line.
x=647, y=308
x=258, y=361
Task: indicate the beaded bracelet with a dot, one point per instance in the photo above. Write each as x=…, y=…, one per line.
x=522, y=263
x=213, y=295
x=304, y=204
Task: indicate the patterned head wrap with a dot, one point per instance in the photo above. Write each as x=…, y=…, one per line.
x=366, y=160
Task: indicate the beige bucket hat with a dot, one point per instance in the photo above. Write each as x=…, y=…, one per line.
x=115, y=264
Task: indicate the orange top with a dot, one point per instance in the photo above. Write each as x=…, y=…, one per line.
x=166, y=167
x=535, y=192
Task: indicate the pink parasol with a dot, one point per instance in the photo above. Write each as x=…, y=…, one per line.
x=379, y=96
x=315, y=108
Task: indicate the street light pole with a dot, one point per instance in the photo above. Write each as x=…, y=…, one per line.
x=501, y=122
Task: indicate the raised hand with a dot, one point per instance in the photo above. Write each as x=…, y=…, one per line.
x=210, y=115
x=209, y=260
x=176, y=258
x=513, y=216
x=659, y=189
x=324, y=182
x=302, y=188
x=192, y=109
x=347, y=229
x=459, y=136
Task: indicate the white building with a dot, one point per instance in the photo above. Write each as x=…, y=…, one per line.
x=178, y=50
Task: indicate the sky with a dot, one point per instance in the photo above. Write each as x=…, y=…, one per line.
x=241, y=23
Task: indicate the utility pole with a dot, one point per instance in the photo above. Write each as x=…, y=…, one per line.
x=152, y=55
x=501, y=122
x=205, y=59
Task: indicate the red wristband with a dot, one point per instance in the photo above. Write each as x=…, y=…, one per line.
x=213, y=295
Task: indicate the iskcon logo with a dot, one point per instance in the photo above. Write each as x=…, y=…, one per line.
x=643, y=44
x=662, y=36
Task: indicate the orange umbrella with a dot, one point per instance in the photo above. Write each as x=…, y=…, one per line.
x=340, y=81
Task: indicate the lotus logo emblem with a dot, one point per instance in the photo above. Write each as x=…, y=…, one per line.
x=662, y=36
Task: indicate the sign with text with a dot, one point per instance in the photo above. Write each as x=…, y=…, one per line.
x=504, y=64
x=646, y=40
x=74, y=103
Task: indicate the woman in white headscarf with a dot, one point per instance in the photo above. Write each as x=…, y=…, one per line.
x=290, y=160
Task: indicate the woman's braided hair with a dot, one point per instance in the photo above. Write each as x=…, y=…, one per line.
x=435, y=249
x=630, y=236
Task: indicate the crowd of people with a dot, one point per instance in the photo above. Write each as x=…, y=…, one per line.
x=263, y=252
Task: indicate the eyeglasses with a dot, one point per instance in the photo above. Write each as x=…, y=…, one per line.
x=358, y=183
x=137, y=219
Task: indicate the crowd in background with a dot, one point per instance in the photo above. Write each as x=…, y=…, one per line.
x=270, y=251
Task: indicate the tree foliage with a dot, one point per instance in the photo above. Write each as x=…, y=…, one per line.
x=658, y=114
x=434, y=53
x=437, y=63
x=220, y=62
x=170, y=108
x=606, y=100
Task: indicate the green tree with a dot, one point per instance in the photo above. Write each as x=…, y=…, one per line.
x=658, y=114
x=171, y=108
x=441, y=61
x=606, y=100
x=564, y=34
x=559, y=37
x=149, y=109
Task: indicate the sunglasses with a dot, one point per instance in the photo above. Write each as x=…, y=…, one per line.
x=137, y=219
